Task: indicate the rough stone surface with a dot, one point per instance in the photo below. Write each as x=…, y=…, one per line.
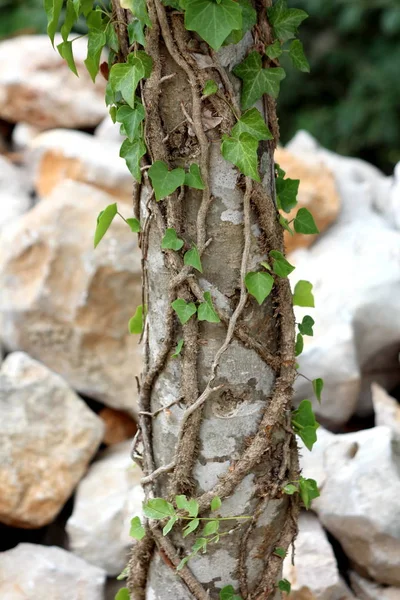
x=317, y=193
x=119, y=426
x=387, y=409
x=67, y=304
x=34, y=572
x=37, y=87
x=60, y=154
x=106, y=500
x=315, y=575
x=370, y=590
x=48, y=436
x=23, y=135
x=14, y=192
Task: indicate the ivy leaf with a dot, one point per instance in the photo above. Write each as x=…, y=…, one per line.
x=96, y=41
x=305, y=424
x=123, y=575
x=131, y=119
x=280, y=265
x=135, y=32
x=206, y=311
x=299, y=344
x=193, y=179
x=181, y=502
x=192, y=258
x=242, y=152
x=200, y=544
x=123, y=594
x=213, y=22
x=259, y=285
x=183, y=562
x=165, y=182
x=178, y=348
x=306, y=326
x=284, y=586
x=66, y=52
x=104, y=221
x=265, y=265
x=184, y=310
x=53, y=11
x=304, y=222
x=69, y=20
x=210, y=88
x=256, y=80
x=158, y=508
x=286, y=191
x=137, y=530
x=190, y=506
x=134, y=224
x=211, y=527
x=139, y=10
x=318, y=386
x=228, y=593
x=124, y=77
x=193, y=525
x=284, y=20
x=169, y=525
x=215, y=503
x=252, y=122
x=132, y=152
x=308, y=491
x=279, y=551
x=285, y=224
x=290, y=489
x=171, y=241
x=136, y=322
x=274, y=50
x=299, y=59
x=249, y=19
x=303, y=295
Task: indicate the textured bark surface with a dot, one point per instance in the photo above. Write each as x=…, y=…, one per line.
x=238, y=443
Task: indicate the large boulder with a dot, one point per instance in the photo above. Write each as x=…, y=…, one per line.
x=47, y=437
x=67, y=304
x=37, y=87
x=33, y=572
x=386, y=408
x=370, y=590
x=106, y=500
x=14, y=192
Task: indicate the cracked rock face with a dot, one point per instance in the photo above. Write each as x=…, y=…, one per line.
x=47, y=437
x=67, y=304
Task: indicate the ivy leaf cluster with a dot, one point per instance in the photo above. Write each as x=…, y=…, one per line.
x=307, y=488
x=304, y=423
x=205, y=311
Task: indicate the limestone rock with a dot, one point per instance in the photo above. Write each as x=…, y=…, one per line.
x=387, y=409
x=37, y=87
x=109, y=131
x=369, y=590
x=47, y=438
x=60, y=154
x=317, y=193
x=67, y=304
x=34, y=572
x=119, y=426
x=23, y=135
x=315, y=575
x=106, y=500
x=14, y=192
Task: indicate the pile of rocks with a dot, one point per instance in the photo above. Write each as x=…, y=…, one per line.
x=67, y=384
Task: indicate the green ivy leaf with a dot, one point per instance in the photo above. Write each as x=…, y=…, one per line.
x=183, y=562
x=308, y=491
x=184, y=310
x=104, y=221
x=169, y=525
x=242, y=152
x=259, y=285
x=206, y=311
x=290, y=489
x=165, y=182
x=249, y=19
x=200, y=544
x=252, y=122
x=280, y=265
x=304, y=222
x=131, y=119
x=299, y=59
x=96, y=41
x=228, y=593
x=124, y=77
x=215, y=503
x=193, y=525
x=265, y=265
x=211, y=527
x=66, y=52
x=284, y=586
x=53, y=11
x=299, y=344
x=193, y=179
x=285, y=224
x=279, y=551
x=213, y=22
x=69, y=20
x=137, y=530
x=318, y=386
x=135, y=324
x=123, y=594
x=139, y=10
x=178, y=348
x=190, y=506
x=171, y=241
x=136, y=33
x=123, y=575
x=181, y=502
x=158, y=508
x=302, y=295
x=284, y=20
x=286, y=191
x=134, y=224
x=280, y=173
x=192, y=258
x=210, y=88
x=306, y=326
x=305, y=424
x=274, y=50
x=132, y=152
x=256, y=80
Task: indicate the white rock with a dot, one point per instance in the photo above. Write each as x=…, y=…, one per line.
x=23, y=135
x=67, y=304
x=387, y=409
x=315, y=575
x=109, y=131
x=106, y=500
x=61, y=154
x=37, y=87
x=33, y=572
x=14, y=192
x=369, y=590
x=47, y=437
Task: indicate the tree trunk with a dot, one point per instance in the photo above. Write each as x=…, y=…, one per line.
x=236, y=443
